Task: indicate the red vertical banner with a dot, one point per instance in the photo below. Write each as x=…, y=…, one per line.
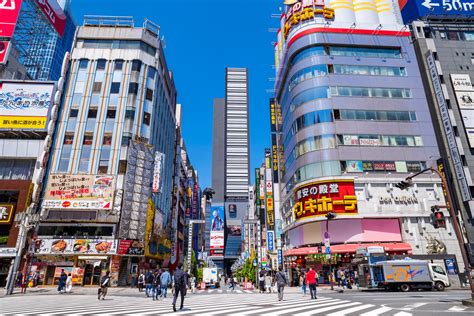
x=9, y=11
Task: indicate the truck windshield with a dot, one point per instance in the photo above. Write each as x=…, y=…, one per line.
x=439, y=270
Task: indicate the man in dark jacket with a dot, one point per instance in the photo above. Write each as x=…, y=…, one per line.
x=281, y=281
x=104, y=285
x=180, y=281
x=62, y=282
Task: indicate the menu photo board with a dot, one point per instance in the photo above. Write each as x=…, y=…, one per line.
x=75, y=191
x=77, y=246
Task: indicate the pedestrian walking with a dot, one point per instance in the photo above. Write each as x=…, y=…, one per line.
x=193, y=284
x=156, y=285
x=261, y=281
x=62, y=282
x=281, y=281
x=268, y=283
x=35, y=278
x=69, y=283
x=165, y=280
x=149, y=284
x=180, y=281
x=19, y=279
x=303, y=283
x=311, y=281
x=232, y=283
x=104, y=285
x=141, y=282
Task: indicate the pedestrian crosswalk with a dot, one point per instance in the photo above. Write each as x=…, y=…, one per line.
x=227, y=291
x=197, y=304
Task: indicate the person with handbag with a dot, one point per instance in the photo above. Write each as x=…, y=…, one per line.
x=104, y=285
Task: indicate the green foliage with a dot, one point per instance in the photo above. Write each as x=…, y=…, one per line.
x=3, y=240
x=247, y=271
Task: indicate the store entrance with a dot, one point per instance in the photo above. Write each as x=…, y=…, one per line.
x=92, y=272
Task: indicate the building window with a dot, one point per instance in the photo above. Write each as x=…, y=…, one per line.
x=96, y=87
x=85, y=153
x=136, y=65
x=146, y=118
x=101, y=64
x=118, y=64
x=83, y=63
x=133, y=88
x=151, y=72
x=115, y=87
x=149, y=94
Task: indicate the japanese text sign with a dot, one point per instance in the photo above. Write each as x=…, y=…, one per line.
x=319, y=198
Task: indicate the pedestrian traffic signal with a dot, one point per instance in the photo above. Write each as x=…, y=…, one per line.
x=405, y=184
x=438, y=219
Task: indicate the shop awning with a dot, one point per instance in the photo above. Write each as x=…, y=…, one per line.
x=348, y=248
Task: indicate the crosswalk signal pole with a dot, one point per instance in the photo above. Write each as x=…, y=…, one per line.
x=457, y=228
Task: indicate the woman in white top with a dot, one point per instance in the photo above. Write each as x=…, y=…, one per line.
x=69, y=283
x=268, y=283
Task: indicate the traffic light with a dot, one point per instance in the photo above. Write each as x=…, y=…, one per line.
x=405, y=184
x=438, y=217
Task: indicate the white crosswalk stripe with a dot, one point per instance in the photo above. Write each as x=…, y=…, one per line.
x=215, y=303
x=378, y=311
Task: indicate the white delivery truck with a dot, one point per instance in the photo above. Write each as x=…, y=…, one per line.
x=405, y=275
x=210, y=277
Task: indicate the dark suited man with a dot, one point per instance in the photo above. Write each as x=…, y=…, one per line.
x=180, y=282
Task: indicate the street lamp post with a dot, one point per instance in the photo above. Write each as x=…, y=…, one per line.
x=457, y=228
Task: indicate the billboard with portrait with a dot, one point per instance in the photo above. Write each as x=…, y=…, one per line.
x=25, y=105
x=217, y=231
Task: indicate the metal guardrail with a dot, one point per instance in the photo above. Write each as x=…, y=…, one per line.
x=103, y=20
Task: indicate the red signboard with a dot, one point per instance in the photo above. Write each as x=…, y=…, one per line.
x=54, y=14
x=319, y=198
x=9, y=11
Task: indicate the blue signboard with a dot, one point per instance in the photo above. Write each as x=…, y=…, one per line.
x=280, y=257
x=415, y=9
x=328, y=250
x=270, y=244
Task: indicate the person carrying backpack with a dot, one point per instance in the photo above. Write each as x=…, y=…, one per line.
x=180, y=282
x=149, y=284
x=156, y=285
x=141, y=282
x=281, y=281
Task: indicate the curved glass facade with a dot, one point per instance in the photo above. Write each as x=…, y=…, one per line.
x=311, y=144
x=308, y=119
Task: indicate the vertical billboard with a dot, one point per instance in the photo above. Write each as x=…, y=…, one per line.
x=217, y=231
x=9, y=11
x=25, y=105
x=157, y=170
x=53, y=12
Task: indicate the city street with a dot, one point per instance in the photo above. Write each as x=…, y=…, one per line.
x=223, y=302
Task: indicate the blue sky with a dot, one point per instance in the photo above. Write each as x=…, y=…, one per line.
x=202, y=38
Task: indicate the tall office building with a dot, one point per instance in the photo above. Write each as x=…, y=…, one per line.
x=230, y=174
x=355, y=123
x=444, y=44
x=110, y=179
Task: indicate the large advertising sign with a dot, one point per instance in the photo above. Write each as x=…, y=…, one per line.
x=25, y=105
x=70, y=191
x=321, y=197
x=414, y=9
x=77, y=246
x=131, y=247
x=304, y=10
x=9, y=11
x=157, y=170
x=6, y=213
x=217, y=231
x=54, y=14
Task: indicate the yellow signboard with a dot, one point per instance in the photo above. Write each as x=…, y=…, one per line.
x=22, y=122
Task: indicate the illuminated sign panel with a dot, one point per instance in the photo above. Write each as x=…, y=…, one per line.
x=319, y=198
x=303, y=11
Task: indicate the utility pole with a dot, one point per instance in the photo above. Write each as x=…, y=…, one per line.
x=457, y=228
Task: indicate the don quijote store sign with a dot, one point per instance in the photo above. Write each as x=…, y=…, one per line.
x=304, y=10
x=321, y=197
